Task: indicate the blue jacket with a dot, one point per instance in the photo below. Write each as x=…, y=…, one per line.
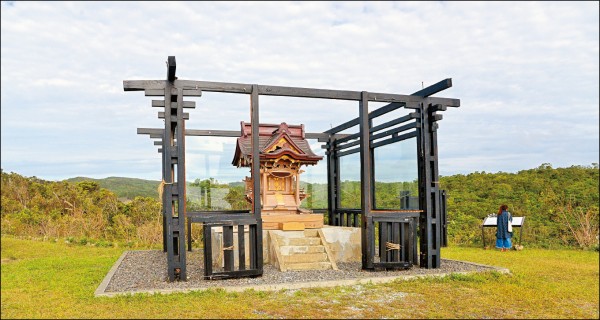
x=502, y=230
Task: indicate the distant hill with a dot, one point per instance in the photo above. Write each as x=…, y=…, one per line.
x=128, y=188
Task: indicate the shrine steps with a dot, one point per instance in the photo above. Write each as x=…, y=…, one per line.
x=301, y=250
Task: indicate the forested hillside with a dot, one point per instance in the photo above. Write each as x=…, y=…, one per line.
x=125, y=188
x=560, y=205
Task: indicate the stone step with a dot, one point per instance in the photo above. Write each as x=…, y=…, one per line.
x=311, y=233
x=287, y=250
x=305, y=258
x=309, y=266
x=303, y=242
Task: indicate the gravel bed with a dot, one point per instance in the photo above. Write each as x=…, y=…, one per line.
x=146, y=270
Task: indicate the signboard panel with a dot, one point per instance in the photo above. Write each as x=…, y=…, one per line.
x=492, y=221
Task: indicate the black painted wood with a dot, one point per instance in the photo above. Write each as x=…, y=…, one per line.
x=435, y=88
x=367, y=236
x=398, y=228
x=241, y=247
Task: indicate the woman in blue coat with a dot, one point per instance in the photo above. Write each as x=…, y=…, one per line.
x=503, y=237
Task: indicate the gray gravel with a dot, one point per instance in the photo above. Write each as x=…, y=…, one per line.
x=147, y=270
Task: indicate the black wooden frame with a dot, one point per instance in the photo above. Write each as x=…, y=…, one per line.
x=369, y=137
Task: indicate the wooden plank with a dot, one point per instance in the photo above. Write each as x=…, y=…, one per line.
x=161, y=115
x=331, y=184
x=181, y=187
x=228, y=248
x=210, y=86
x=140, y=85
x=308, y=93
x=444, y=102
x=192, y=92
x=394, y=139
x=255, y=170
x=161, y=104
x=376, y=113
x=434, y=88
x=351, y=151
x=189, y=235
x=207, y=251
x=214, y=133
x=395, y=239
x=241, y=247
x=234, y=274
x=348, y=138
x=150, y=131
x=388, y=124
x=385, y=109
x=392, y=131
x=254, y=247
x=392, y=97
x=382, y=236
x=367, y=236
x=347, y=145
x=154, y=92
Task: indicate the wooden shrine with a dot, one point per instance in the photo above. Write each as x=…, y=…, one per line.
x=389, y=236
x=283, y=151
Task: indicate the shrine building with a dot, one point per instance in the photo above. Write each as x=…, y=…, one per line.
x=283, y=151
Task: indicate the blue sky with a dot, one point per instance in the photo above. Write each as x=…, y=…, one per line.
x=526, y=73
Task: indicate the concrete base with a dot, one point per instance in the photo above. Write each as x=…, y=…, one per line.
x=344, y=243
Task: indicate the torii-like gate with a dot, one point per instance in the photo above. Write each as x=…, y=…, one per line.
x=399, y=225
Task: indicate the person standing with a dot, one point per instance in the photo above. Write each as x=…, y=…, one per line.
x=503, y=237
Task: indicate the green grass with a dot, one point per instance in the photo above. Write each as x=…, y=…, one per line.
x=57, y=280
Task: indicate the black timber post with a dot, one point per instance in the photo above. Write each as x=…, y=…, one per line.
x=255, y=173
x=164, y=212
x=443, y=203
x=429, y=199
x=332, y=173
x=372, y=156
x=174, y=174
x=367, y=230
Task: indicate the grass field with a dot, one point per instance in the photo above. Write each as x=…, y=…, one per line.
x=57, y=280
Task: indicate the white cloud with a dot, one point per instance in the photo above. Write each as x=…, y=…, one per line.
x=526, y=74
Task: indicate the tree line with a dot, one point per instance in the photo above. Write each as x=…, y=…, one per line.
x=560, y=206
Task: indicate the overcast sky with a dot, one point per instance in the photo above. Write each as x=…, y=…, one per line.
x=526, y=74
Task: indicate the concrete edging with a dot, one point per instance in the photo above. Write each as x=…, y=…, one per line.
x=100, y=292
x=102, y=287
